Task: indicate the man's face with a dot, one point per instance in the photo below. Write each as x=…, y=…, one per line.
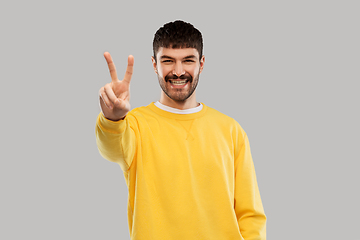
x=178, y=71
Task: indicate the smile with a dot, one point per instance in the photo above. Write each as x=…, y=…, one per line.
x=181, y=82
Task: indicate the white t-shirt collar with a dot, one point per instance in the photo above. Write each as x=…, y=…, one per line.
x=178, y=111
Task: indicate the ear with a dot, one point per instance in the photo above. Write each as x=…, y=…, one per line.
x=202, y=62
x=154, y=64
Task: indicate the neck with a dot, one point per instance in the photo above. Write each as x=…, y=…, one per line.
x=182, y=105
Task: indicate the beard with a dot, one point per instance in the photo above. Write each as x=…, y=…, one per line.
x=178, y=94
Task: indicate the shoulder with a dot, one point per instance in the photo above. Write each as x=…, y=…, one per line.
x=216, y=113
x=224, y=120
x=140, y=111
x=220, y=117
x=142, y=115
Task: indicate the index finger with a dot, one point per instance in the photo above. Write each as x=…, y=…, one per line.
x=129, y=69
x=111, y=66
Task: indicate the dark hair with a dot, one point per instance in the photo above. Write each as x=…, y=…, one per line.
x=178, y=34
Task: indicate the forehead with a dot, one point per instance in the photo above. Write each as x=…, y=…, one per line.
x=177, y=53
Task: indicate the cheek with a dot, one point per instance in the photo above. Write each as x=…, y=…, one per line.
x=163, y=72
x=193, y=72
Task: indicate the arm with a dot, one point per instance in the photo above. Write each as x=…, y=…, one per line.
x=114, y=136
x=116, y=141
x=248, y=206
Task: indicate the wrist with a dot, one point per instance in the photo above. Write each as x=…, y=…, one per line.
x=113, y=119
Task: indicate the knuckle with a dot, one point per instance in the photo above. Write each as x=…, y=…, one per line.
x=107, y=87
x=100, y=91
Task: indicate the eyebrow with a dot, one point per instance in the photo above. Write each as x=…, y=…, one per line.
x=187, y=57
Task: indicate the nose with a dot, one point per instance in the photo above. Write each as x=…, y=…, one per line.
x=178, y=69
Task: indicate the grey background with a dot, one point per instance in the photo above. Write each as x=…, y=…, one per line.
x=287, y=71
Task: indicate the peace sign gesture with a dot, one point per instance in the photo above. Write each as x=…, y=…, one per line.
x=115, y=96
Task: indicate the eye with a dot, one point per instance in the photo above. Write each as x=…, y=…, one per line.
x=189, y=61
x=166, y=61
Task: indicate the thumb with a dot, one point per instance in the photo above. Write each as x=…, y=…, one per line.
x=121, y=104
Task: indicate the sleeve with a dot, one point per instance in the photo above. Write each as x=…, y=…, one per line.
x=248, y=206
x=116, y=141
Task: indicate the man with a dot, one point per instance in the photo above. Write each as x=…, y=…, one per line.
x=188, y=167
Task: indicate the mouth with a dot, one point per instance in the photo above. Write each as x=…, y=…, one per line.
x=178, y=82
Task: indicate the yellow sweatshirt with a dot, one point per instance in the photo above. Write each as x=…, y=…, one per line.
x=189, y=176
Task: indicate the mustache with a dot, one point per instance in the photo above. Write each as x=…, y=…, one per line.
x=171, y=76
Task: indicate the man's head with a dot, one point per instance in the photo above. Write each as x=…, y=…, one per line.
x=178, y=60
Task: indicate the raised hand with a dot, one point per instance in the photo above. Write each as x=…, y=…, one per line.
x=115, y=96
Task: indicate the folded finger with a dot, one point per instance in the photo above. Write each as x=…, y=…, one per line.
x=110, y=94
x=105, y=98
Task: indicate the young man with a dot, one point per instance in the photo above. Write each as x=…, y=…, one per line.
x=188, y=167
